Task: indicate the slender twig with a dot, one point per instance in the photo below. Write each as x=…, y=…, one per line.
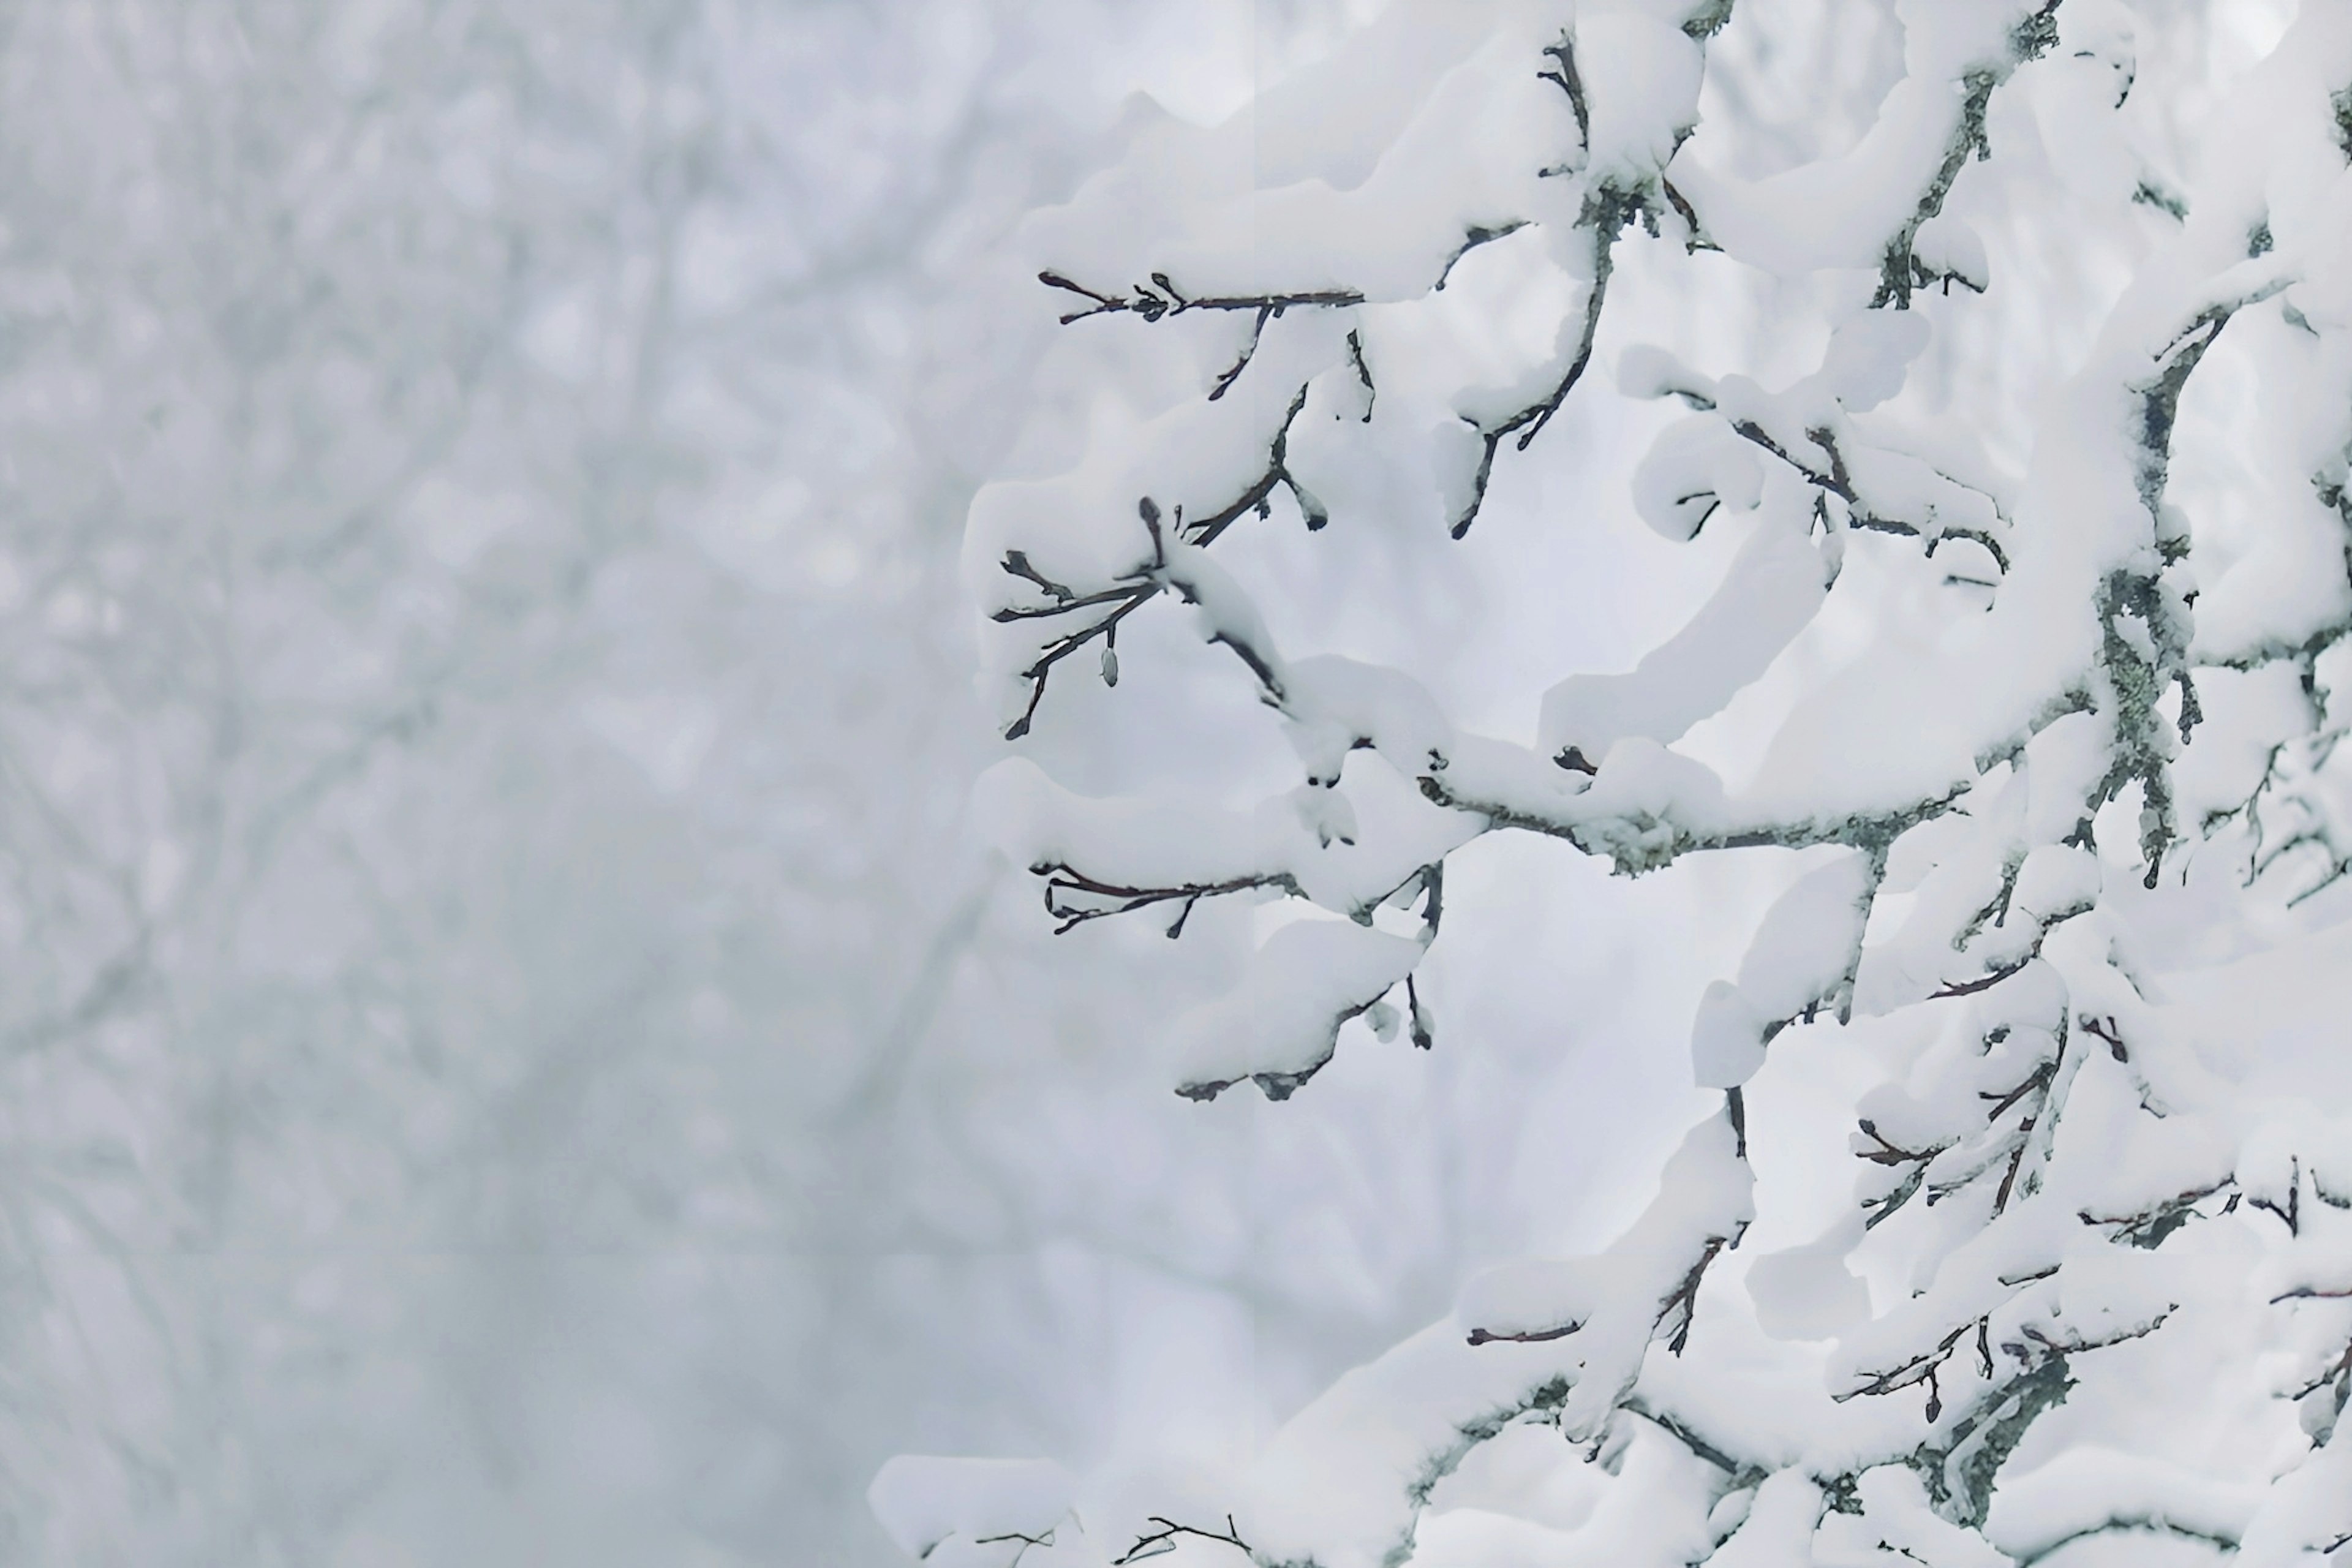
x=1163, y=298
x=1063, y=879
x=1159, y=1543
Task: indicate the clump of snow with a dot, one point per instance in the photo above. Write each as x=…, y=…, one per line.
x=927, y=1502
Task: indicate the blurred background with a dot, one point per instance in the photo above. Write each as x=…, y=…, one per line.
x=510, y=1050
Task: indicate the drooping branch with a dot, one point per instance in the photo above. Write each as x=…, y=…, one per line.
x=1837, y=480
x=2133, y=1524
x=1900, y=269
x=1681, y=1307
x=1259, y=494
x=1477, y=235
x=2148, y=1228
x=1468, y=1436
x=2144, y=634
x=1570, y=80
x=1606, y=213
x=1959, y=1473
x=1737, y=1473
x=1920, y=1369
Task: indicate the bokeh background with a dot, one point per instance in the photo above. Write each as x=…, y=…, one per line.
x=512, y=1048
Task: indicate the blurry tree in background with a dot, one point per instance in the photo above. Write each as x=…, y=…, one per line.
x=1999, y=357
x=510, y=1053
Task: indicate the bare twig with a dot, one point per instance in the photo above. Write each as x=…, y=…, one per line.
x=1162, y=1541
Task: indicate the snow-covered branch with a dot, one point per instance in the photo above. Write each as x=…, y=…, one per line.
x=1979, y=746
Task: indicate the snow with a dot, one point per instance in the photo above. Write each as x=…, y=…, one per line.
x=1869, y=355
x=2021, y=667
x=1773, y=588
x=1726, y=1038
x=1807, y=1292
x=1271, y=1025
x=1642, y=82
x=1809, y=938
x=2089, y=1489
x=1778, y=1526
x=924, y=1500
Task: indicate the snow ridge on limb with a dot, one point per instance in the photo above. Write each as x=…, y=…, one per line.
x=2098, y=1187
x=1867, y=208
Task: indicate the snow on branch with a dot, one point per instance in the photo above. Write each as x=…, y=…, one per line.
x=2050, y=694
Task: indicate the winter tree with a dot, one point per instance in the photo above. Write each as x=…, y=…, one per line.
x=2022, y=1230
